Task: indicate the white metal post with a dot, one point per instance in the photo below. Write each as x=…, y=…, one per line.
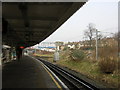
x=96, y=44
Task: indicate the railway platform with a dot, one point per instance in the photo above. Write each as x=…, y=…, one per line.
x=26, y=73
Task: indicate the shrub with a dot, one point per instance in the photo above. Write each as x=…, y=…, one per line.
x=107, y=64
x=111, y=51
x=65, y=48
x=77, y=55
x=64, y=54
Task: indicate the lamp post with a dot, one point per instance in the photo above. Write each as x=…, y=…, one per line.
x=96, y=44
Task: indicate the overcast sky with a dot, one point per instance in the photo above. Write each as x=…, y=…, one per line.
x=103, y=13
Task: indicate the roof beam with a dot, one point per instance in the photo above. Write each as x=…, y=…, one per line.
x=41, y=3
x=33, y=31
x=51, y=3
x=33, y=27
x=33, y=18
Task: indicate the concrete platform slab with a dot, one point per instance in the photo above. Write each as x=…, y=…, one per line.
x=26, y=73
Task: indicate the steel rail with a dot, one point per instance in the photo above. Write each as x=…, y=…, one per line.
x=72, y=79
x=63, y=76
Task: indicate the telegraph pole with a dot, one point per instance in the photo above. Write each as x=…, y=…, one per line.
x=96, y=44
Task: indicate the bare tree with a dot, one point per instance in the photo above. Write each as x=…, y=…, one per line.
x=89, y=32
x=100, y=36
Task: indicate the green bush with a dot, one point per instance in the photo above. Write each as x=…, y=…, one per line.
x=107, y=64
x=77, y=55
x=66, y=48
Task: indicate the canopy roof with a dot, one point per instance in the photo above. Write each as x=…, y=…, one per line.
x=28, y=23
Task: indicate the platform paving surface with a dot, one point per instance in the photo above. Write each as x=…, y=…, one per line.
x=26, y=73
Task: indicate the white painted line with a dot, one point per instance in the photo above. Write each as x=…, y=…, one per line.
x=53, y=74
x=56, y=77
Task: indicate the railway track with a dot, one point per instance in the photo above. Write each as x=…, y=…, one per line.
x=70, y=80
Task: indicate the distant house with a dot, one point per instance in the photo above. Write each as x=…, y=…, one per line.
x=71, y=46
x=50, y=49
x=47, y=46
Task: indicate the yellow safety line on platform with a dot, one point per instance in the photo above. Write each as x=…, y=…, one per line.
x=53, y=78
